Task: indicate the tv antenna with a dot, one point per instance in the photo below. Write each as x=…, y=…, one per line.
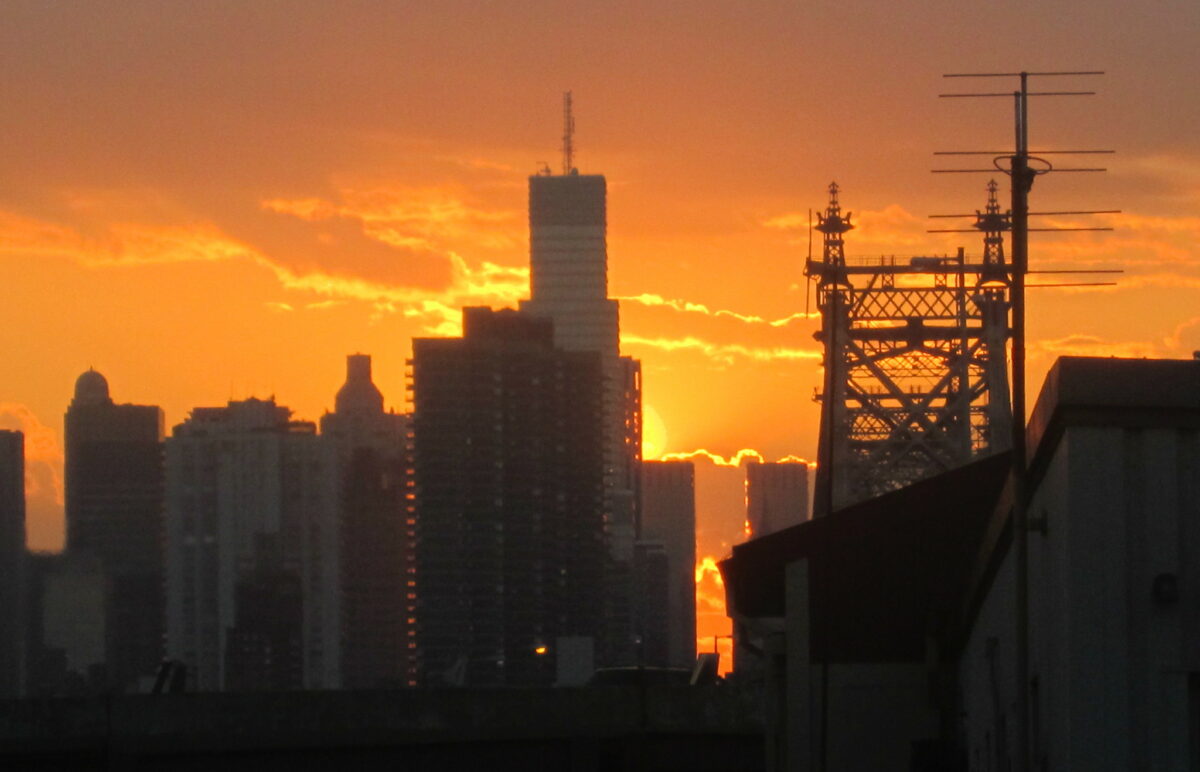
x=1022, y=167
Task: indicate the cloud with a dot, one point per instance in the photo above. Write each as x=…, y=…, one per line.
x=43, y=476
x=133, y=245
x=891, y=230
x=415, y=218
x=735, y=460
x=687, y=306
x=120, y=244
x=710, y=587
x=724, y=353
x=1093, y=346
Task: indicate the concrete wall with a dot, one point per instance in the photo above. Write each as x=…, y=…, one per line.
x=1110, y=659
x=867, y=717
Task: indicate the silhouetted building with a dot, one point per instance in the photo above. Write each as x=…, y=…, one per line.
x=114, y=500
x=507, y=461
x=569, y=285
x=652, y=603
x=251, y=503
x=68, y=626
x=776, y=496
x=264, y=649
x=12, y=560
x=568, y=255
x=377, y=571
x=669, y=517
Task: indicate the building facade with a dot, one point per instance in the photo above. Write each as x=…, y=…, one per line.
x=12, y=560
x=569, y=286
x=377, y=571
x=669, y=518
x=776, y=496
x=507, y=463
x=251, y=506
x=896, y=634
x=114, y=512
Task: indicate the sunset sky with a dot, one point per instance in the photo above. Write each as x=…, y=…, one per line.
x=212, y=200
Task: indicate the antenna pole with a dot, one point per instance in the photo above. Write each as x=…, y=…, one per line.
x=1022, y=181
x=568, y=146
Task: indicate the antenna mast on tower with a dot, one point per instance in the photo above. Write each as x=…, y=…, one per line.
x=568, y=148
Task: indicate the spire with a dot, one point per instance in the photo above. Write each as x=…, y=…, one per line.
x=993, y=223
x=833, y=225
x=568, y=146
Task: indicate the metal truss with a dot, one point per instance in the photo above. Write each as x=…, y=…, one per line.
x=915, y=376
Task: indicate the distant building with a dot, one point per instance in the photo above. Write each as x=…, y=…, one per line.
x=12, y=560
x=569, y=285
x=114, y=513
x=568, y=257
x=507, y=461
x=251, y=512
x=776, y=496
x=652, y=603
x=377, y=563
x=669, y=518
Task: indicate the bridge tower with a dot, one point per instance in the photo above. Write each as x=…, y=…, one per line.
x=916, y=380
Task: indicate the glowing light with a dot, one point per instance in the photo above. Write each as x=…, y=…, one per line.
x=707, y=569
x=540, y=650
x=654, y=433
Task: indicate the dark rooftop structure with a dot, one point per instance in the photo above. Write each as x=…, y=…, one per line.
x=885, y=573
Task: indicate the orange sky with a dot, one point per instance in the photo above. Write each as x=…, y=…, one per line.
x=207, y=200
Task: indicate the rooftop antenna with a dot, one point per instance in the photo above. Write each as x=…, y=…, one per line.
x=568, y=146
x=1022, y=167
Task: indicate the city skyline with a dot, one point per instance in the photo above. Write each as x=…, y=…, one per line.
x=220, y=231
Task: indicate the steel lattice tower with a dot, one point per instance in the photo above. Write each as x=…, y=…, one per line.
x=916, y=380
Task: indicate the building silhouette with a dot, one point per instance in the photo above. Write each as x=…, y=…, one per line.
x=376, y=564
x=507, y=459
x=114, y=499
x=12, y=560
x=569, y=285
x=652, y=603
x=669, y=518
x=776, y=496
x=251, y=526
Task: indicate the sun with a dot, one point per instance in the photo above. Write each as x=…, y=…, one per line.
x=654, y=434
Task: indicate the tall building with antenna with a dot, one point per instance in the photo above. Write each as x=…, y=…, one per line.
x=569, y=285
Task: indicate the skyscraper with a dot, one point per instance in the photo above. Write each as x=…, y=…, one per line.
x=507, y=462
x=376, y=538
x=252, y=550
x=669, y=518
x=12, y=560
x=776, y=496
x=569, y=285
x=114, y=499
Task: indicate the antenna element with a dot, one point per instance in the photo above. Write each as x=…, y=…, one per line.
x=568, y=146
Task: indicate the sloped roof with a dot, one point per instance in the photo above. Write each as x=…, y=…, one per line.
x=884, y=573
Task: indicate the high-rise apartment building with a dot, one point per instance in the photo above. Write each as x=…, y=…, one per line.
x=114, y=512
x=569, y=285
x=776, y=496
x=252, y=550
x=507, y=459
x=669, y=518
x=377, y=568
x=12, y=560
